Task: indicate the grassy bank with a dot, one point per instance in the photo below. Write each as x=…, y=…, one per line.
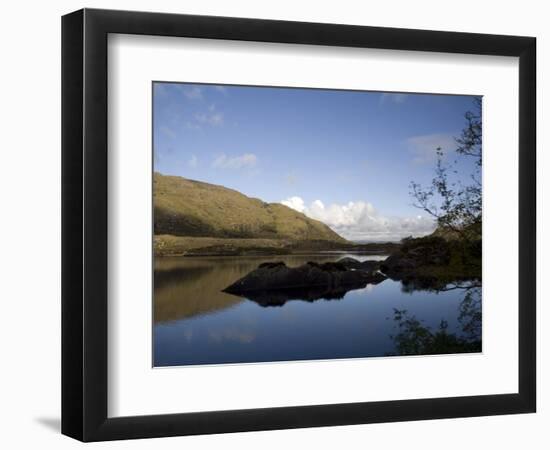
x=169, y=245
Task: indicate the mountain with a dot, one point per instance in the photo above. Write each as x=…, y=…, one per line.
x=190, y=208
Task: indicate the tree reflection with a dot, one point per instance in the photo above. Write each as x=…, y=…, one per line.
x=413, y=338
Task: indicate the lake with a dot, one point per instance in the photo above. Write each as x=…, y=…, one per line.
x=196, y=323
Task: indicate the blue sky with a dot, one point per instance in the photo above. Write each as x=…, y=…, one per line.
x=344, y=157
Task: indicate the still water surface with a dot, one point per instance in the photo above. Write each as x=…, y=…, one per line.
x=196, y=323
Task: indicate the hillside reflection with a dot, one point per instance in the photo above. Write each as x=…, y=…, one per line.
x=188, y=287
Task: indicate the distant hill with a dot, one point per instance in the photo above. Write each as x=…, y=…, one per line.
x=184, y=207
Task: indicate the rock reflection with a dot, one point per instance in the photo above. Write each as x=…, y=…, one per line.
x=275, y=283
x=278, y=297
x=190, y=287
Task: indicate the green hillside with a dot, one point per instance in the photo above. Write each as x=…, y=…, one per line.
x=191, y=208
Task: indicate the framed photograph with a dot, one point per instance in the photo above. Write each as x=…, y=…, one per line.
x=273, y=224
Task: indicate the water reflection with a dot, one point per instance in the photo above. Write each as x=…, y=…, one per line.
x=278, y=297
x=415, y=338
x=188, y=287
x=197, y=323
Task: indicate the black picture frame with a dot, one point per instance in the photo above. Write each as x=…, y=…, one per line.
x=84, y=224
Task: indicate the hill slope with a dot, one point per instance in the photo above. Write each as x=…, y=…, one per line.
x=185, y=207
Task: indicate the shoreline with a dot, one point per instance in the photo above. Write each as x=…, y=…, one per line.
x=422, y=263
x=191, y=246
x=261, y=255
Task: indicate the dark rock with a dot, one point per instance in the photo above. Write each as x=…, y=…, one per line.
x=329, y=266
x=418, y=253
x=351, y=263
x=273, y=283
x=398, y=263
x=271, y=265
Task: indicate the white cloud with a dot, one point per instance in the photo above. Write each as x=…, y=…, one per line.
x=212, y=117
x=295, y=203
x=393, y=97
x=360, y=221
x=423, y=148
x=193, y=162
x=246, y=160
x=192, y=93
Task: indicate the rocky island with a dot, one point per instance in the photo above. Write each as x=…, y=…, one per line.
x=275, y=283
x=429, y=263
